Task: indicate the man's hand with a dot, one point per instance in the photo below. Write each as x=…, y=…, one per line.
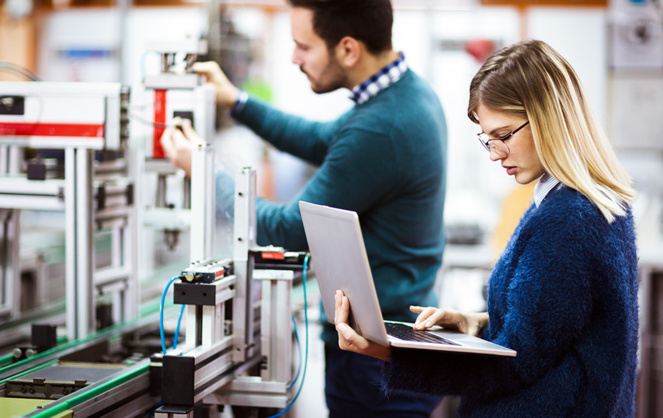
x=471, y=323
x=178, y=142
x=348, y=339
x=226, y=92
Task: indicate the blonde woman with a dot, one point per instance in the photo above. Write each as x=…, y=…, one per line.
x=564, y=292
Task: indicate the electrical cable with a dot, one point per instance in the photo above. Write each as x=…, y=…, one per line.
x=9, y=66
x=163, y=300
x=177, y=330
x=299, y=346
x=301, y=385
x=149, y=122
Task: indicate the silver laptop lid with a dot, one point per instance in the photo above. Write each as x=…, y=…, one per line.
x=338, y=255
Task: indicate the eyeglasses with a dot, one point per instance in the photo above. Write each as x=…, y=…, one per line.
x=497, y=144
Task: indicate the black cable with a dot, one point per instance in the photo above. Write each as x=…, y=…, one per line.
x=149, y=122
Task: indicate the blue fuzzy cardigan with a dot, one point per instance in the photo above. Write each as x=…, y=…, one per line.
x=564, y=296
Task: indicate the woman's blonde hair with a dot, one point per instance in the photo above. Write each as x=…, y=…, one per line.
x=531, y=80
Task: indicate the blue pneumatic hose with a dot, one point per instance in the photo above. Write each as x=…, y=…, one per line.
x=177, y=330
x=163, y=301
x=299, y=347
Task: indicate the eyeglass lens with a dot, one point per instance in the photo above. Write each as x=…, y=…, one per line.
x=494, y=145
x=498, y=145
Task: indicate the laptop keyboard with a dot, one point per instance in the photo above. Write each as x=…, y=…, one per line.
x=406, y=332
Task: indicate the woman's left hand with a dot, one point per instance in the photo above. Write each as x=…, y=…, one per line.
x=348, y=339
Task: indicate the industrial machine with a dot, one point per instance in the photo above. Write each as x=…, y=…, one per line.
x=173, y=92
x=64, y=147
x=237, y=351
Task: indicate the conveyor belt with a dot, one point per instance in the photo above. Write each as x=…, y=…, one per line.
x=128, y=384
x=128, y=387
x=58, y=380
x=116, y=331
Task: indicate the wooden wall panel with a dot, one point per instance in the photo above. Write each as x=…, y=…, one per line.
x=18, y=44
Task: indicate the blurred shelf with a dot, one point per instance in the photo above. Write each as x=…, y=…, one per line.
x=554, y=3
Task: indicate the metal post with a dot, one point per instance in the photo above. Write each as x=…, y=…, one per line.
x=15, y=160
x=245, y=240
x=84, y=242
x=203, y=200
x=130, y=239
x=71, y=282
x=275, y=324
x=10, y=277
x=4, y=159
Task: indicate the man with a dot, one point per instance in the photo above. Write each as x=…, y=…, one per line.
x=385, y=159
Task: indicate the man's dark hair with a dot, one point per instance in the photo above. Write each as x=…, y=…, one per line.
x=368, y=21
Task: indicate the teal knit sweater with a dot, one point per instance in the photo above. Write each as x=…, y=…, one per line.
x=384, y=159
x=564, y=295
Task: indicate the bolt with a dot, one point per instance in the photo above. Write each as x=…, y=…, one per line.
x=17, y=353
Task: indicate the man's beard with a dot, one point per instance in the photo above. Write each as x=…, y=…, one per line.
x=332, y=78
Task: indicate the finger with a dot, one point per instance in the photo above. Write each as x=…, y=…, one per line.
x=209, y=69
x=167, y=142
x=178, y=140
x=416, y=309
x=344, y=310
x=423, y=320
x=437, y=317
x=344, y=336
x=419, y=310
x=189, y=133
x=347, y=333
x=449, y=318
x=200, y=67
x=185, y=124
x=349, y=339
x=425, y=310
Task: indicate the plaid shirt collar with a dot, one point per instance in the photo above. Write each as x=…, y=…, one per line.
x=380, y=81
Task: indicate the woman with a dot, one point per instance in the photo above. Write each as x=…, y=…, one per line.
x=564, y=292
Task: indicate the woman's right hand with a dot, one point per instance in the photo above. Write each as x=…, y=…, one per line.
x=471, y=323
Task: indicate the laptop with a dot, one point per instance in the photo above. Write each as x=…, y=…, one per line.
x=339, y=260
